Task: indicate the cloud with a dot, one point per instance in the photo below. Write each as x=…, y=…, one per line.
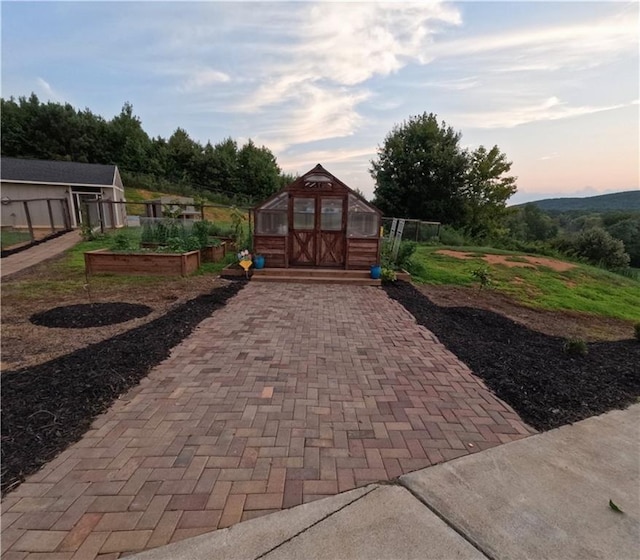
x=550, y=109
x=550, y=48
x=325, y=156
x=203, y=78
x=48, y=91
x=318, y=81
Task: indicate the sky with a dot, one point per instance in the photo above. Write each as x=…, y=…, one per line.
x=553, y=84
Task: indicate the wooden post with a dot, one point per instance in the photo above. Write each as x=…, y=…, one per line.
x=28, y=216
x=100, y=215
x=53, y=226
x=112, y=214
x=418, y=223
x=202, y=212
x=66, y=213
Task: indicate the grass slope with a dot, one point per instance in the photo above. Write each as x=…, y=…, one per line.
x=135, y=198
x=582, y=288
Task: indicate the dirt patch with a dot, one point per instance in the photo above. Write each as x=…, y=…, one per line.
x=47, y=407
x=565, y=324
x=25, y=344
x=531, y=262
x=530, y=370
x=85, y=315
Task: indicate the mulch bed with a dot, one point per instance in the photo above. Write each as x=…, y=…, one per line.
x=47, y=407
x=85, y=315
x=530, y=370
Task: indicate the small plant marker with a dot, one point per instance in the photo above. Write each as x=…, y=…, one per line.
x=614, y=507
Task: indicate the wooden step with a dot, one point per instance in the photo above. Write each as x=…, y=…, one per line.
x=309, y=279
x=313, y=272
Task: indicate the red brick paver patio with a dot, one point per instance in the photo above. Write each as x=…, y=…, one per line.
x=288, y=394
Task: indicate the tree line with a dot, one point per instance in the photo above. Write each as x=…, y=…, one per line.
x=55, y=131
x=422, y=172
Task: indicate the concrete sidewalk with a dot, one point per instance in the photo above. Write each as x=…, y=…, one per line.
x=38, y=253
x=546, y=496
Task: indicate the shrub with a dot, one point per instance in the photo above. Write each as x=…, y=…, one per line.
x=482, y=275
x=575, y=347
x=121, y=242
x=598, y=247
x=405, y=252
x=451, y=236
x=388, y=275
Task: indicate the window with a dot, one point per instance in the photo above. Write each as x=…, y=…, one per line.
x=271, y=219
x=304, y=212
x=331, y=217
x=363, y=220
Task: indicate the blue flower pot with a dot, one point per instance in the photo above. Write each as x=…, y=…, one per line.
x=258, y=261
x=376, y=271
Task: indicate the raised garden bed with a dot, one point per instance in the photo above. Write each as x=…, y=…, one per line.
x=234, y=271
x=213, y=253
x=103, y=261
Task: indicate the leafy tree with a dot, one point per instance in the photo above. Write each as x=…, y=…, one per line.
x=420, y=171
x=258, y=171
x=599, y=247
x=128, y=142
x=486, y=191
x=628, y=231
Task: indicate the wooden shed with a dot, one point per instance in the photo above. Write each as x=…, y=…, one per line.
x=317, y=221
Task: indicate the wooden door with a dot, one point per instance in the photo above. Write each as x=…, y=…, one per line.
x=331, y=238
x=302, y=233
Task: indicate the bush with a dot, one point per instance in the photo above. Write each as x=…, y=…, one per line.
x=405, y=252
x=121, y=242
x=451, y=236
x=575, y=347
x=482, y=275
x=598, y=247
x=388, y=275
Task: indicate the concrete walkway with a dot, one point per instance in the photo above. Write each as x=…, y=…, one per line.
x=288, y=394
x=543, y=497
x=38, y=253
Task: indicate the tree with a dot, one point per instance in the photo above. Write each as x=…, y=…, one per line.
x=420, y=171
x=258, y=172
x=628, y=231
x=486, y=191
x=128, y=143
x=599, y=247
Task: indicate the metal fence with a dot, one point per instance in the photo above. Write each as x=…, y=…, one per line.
x=414, y=230
x=25, y=222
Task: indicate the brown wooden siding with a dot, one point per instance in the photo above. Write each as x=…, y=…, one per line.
x=164, y=264
x=273, y=248
x=362, y=253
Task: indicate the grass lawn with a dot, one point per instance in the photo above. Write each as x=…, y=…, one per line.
x=581, y=288
x=67, y=275
x=11, y=238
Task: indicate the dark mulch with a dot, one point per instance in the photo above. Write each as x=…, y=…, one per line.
x=47, y=407
x=530, y=370
x=84, y=315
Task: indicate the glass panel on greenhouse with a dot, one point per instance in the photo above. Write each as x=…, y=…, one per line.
x=362, y=220
x=331, y=218
x=304, y=210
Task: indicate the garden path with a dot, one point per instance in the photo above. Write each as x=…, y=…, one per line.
x=287, y=394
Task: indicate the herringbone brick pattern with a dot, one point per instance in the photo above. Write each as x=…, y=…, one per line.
x=288, y=394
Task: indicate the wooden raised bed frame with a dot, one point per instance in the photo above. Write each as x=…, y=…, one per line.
x=103, y=261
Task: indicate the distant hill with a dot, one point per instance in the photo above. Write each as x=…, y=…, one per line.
x=628, y=200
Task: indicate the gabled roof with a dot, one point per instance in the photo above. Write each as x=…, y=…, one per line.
x=61, y=172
